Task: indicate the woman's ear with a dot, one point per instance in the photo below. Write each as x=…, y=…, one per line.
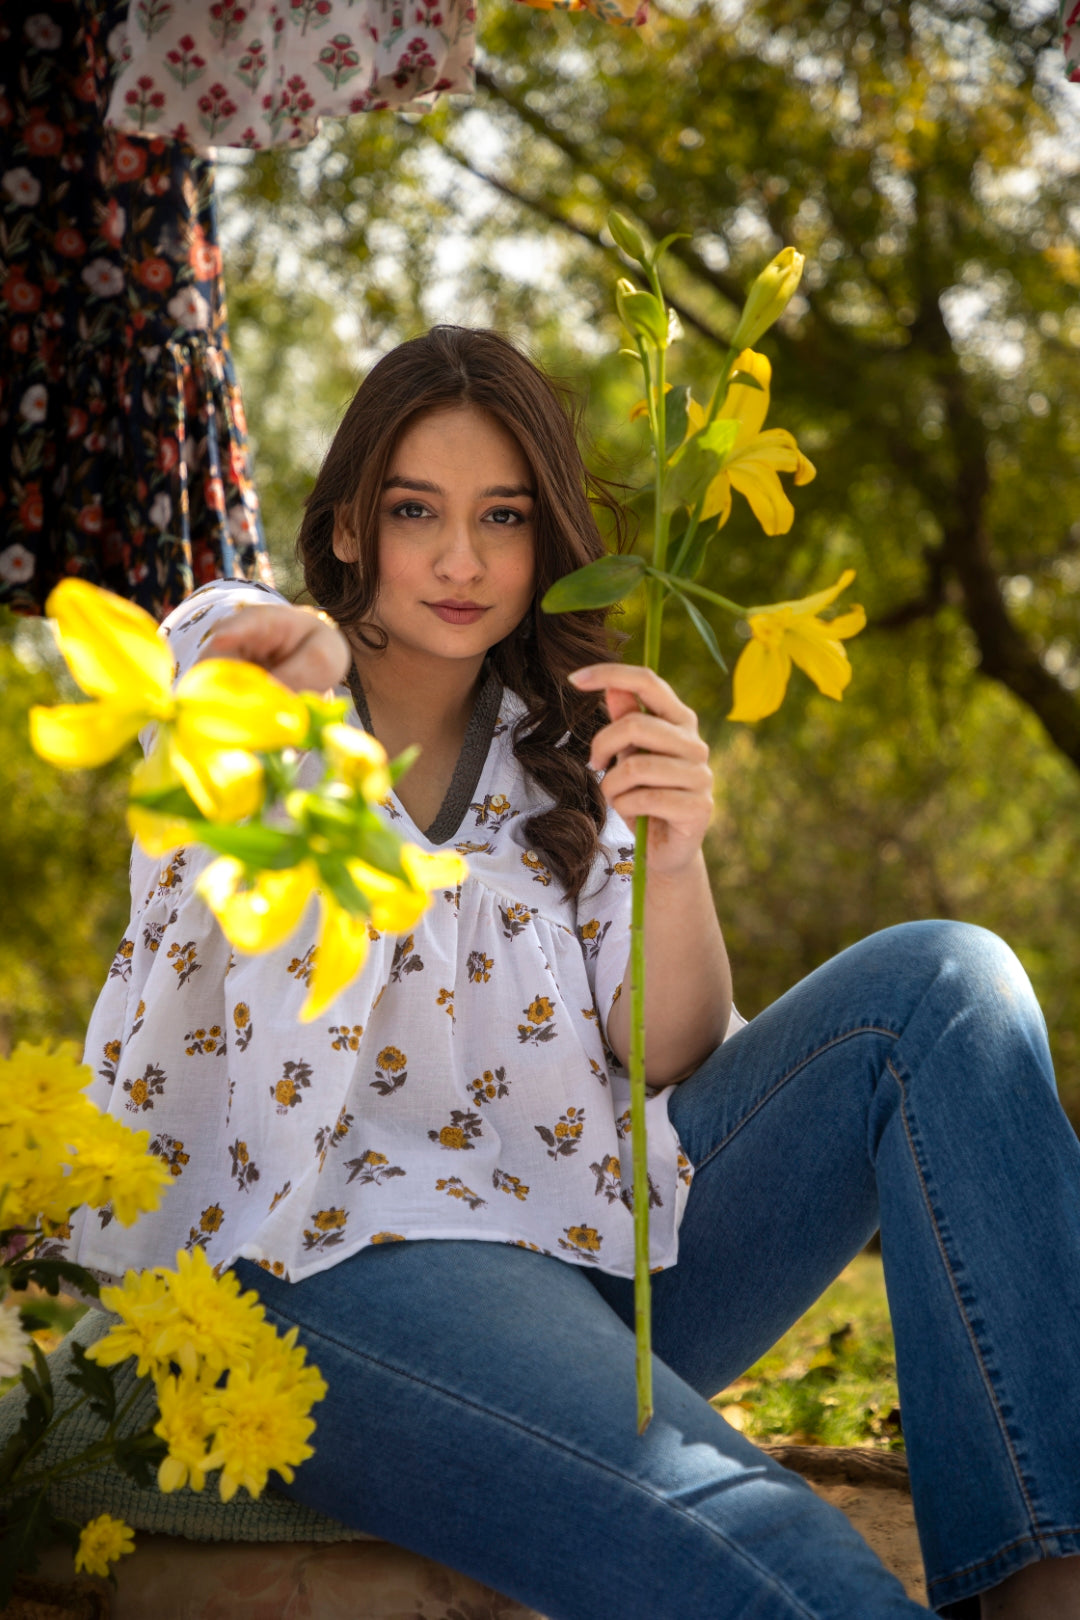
x=344, y=543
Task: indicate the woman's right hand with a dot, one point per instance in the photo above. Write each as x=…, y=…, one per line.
x=299, y=646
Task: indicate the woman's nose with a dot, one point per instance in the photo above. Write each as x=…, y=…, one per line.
x=460, y=556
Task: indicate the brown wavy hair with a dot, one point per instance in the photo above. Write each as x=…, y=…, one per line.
x=454, y=365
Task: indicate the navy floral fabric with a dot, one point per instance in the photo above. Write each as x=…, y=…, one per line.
x=123, y=444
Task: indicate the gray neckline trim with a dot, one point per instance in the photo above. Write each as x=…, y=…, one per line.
x=470, y=762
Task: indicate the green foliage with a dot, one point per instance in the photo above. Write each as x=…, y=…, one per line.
x=63, y=852
x=831, y=1380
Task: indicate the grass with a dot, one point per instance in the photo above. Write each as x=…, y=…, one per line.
x=831, y=1380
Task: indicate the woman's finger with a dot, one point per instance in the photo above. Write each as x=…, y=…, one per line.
x=645, y=684
x=648, y=733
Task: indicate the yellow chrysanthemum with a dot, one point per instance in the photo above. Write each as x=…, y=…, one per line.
x=787, y=633
x=756, y=458
x=101, y=1543
x=220, y=711
x=111, y=1164
x=211, y=1324
x=186, y=1429
x=144, y=1307
x=258, y=1426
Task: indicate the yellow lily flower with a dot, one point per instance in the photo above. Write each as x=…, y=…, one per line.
x=757, y=457
x=787, y=633
x=261, y=916
x=219, y=710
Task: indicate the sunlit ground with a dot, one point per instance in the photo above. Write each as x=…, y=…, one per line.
x=831, y=1380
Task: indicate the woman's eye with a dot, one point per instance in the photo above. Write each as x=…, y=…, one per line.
x=410, y=509
x=506, y=515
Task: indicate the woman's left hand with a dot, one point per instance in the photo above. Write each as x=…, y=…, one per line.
x=654, y=760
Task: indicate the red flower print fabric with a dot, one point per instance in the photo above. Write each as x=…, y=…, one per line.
x=262, y=73
x=123, y=447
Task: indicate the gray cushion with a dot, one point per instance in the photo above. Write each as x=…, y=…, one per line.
x=196, y=1515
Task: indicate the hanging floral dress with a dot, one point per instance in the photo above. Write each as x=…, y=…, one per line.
x=123, y=449
x=262, y=73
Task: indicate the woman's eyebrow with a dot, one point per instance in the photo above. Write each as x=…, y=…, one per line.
x=426, y=487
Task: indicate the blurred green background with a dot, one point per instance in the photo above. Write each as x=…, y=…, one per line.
x=926, y=163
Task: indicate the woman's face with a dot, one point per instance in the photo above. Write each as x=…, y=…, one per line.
x=456, y=546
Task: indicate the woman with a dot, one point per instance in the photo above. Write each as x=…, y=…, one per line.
x=470, y=1089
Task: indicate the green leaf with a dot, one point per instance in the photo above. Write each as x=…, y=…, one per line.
x=703, y=628
x=688, y=562
x=27, y=1530
x=33, y=1323
x=662, y=246
x=94, y=1381
x=719, y=437
x=597, y=585
x=265, y=848
x=676, y=407
x=744, y=379
x=334, y=876
x=49, y=1274
x=401, y=763
x=140, y=1456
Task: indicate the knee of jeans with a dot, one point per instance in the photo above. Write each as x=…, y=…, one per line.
x=971, y=971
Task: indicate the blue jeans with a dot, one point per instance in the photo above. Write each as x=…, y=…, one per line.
x=481, y=1405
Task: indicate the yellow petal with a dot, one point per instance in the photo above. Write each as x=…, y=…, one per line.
x=263, y=916
x=756, y=480
x=695, y=417
x=442, y=871
x=810, y=604
x=847, y=624
x=157, y=834
x=343, y=945
x=359, y=759
x=237, y=705
x=748, y=406
x=227, y=784
x=718, y=499
x=395, y=906
x=760, y=681
x=112, y=647
x=824, y=660
x=77, y=734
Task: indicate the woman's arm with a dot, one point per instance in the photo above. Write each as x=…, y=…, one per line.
x=657, y=765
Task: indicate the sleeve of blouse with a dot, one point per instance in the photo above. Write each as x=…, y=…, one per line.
x=603, y=914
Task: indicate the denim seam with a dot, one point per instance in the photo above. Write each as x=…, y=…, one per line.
x=984, y=1373
x=581, y=1456
x=932, y=1585
x=837, y=1040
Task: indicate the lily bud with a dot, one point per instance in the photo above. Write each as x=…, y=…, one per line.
x=626, y=237
x=641, y=313
x=769, y=297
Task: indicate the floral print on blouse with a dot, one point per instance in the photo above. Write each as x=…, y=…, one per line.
x=123, y=445
x=261, y=73
x=459, y=1088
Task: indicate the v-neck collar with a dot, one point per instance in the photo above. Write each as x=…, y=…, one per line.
x=470, y=761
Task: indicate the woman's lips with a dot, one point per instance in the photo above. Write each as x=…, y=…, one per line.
x=457, y=612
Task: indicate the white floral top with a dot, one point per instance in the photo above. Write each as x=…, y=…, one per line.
x=459, y=1088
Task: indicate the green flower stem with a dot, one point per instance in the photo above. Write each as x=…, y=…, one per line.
x=654, y=607
x=639, y=1145
x=720, y=391
x=701, y=590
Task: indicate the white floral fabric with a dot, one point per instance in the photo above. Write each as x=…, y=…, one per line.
x=459, y=1088
x=260, y=74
